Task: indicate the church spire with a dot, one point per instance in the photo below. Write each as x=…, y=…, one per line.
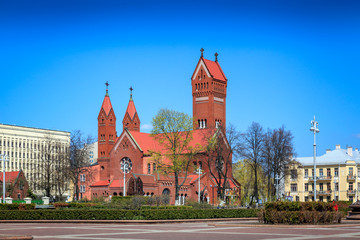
x=131, y=119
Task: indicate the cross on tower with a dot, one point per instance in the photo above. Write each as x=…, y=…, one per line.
x=202, y=52
x=216, y=54
x=107, y=85
x=131, y=89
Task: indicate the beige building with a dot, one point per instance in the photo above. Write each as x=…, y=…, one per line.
x=338, y=176
x=24, y=147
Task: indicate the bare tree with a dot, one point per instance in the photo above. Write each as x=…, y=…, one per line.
x=78, y=159
x=220, y=149
x=45, y=170
x=251, y=150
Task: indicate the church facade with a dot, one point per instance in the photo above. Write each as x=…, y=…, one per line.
x=130, y=152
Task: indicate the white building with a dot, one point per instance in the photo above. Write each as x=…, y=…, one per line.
x=93, y=153
x=23, y=147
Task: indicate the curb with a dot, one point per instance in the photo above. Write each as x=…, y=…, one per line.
x=12, y=237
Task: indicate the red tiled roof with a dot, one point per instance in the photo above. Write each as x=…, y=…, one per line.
x=116, y=184
x=100, y=183
x=147, y=142
x=9, y=176
x=193, y=177
x=146, y=178
x=131, y=110
x=215, y=69
x=106, y=105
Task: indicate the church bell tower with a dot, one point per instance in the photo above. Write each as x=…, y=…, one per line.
x=209, y=94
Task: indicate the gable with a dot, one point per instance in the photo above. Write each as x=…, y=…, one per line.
x=125, y=136
x=200, y=65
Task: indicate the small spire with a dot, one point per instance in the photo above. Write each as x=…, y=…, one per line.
x=202, y=52
x=131, y=89
x=107, y=85
x=216, y=54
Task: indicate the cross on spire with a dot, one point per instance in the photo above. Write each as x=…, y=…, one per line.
x=216, y=54
x=131, y=89
x=202, y=52
x=107, y=85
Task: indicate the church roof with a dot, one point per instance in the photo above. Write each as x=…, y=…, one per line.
x=100, y=183
x=215, y=69
x=131, y=110
x=116, y=184
x=106, y=105
x=9, y=176
x=146, y=142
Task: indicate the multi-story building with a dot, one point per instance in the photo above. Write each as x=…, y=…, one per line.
x=337, y=176
x=25, y=148
x=93, y=153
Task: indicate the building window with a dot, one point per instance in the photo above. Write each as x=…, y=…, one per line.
x=149, y=168
x=321, y=172
x=82, y=188
x=306, y=173
x=294, y=187
x=321, y=186
x=82, y=177
x=328, y=172
x=154, y=167
x=328, y=186
x=306, y=187
x=336, y=172
x=351, y=171
x=312, y=172
x=351, y=186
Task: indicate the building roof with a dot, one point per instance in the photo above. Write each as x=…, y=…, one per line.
x=131, y=110
x=147, y=142
x=145, y=178
x=215, y=69
x=336, y=156
x=100, y=183
x=9, y=176
x=106, y=105
x=116, y=184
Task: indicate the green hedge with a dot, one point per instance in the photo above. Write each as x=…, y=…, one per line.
x=115, y=214
x=299, y=217
x=166, y=207
x=16, y=206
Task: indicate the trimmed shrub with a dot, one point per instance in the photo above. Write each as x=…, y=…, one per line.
x=17, y=206
x=116, y=214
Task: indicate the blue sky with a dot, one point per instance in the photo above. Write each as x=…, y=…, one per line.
x=285, y=61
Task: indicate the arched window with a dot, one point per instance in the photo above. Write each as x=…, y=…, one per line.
x=149, y=168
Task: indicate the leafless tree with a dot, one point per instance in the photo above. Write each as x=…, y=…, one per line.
x=78, y=159
x=251, y=150
x=220, y=148
x=278, y=151
x=45, y=170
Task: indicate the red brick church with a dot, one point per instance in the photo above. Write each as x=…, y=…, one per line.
x=133, y=147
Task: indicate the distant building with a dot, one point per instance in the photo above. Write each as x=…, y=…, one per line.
x=93, y=153
x=16, y=185
x=24, y=146
x=337, y=172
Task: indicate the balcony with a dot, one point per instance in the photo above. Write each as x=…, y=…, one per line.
x=320, y=178
x=328, y=192
x=351, y=192
x=351, y=177
x=321, y=193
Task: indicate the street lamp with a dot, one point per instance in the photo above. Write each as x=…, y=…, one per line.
x=126, y=167
x=277, y=186
x=199, y=172
x=314, y=128
x=4, y=160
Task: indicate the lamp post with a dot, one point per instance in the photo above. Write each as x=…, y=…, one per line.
x=314, y=128
x=199, y=172
x=277, y=186
x=125, y=166
x=4, y=160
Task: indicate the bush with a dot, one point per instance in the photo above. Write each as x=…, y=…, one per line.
x=116, y=214
x=17, y=206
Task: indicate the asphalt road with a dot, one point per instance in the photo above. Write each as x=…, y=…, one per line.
x=189, y=231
